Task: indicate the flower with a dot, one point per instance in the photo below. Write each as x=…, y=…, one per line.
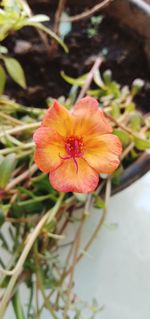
x=74, y=147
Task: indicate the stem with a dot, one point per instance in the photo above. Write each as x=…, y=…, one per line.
x=20, y=129
x=90, y=12
x=47, y=218
x=28, y=173
x=17, y=306
x=40, y=285
x=97, y=229
x=124, y=128
x=90, y=76
x=60, y=9
x=76, y=248
x=17, y=148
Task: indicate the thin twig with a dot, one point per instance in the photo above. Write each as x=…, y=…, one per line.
x=28, y=173
x=112, y=119
x=22, y=146
x=54, y=43
x=127, y=150
x=99, y=225
x=20, y=128
x=90, y=76
x=60, y=9
x=76, y=247
x=90, y=12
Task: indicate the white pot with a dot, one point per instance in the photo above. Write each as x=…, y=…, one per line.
x=116, y=270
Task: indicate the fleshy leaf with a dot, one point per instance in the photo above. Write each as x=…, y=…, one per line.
x=141, y=144
x=99, y=202
x=6, y=168
x=15, y=70
x=123, y=136
x=2, y=80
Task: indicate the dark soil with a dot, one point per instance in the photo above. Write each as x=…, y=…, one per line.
x=126, y=59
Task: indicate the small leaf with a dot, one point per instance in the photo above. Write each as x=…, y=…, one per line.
x=96, y=20
x=81, y=197
x=79, y=81
x=117, y=175
x=6, y=168
x=123, y=136
x=98, y=79
x=107, y=76
x=114, y=89
x=136, y=86
x=99, y=202
x=15, y=70
x=42, y=27
x=135, y=121
x=141, y=144
x=64, y=26
x=115, y=110
x=3, y=50
x=39, y=18
x=130, y=107
x=2, y=80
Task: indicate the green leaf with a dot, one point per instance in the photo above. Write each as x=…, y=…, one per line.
x=135, y=121
x=117, y=175
x=141, y=144
x=96, y=20
x=2, y=80
x=107, y=76
x=136, y=86
x=95, y=93
x=39, y=18
x=98, y=79
x=115, y=110
x=6, y=168
x=114, y=89
x=64, y=26
x=79, y=81
x=99, y=202
x=3, y=50
x=130, y=107
x=81, y=197
x=15, y=70
x=42, y=27
x=123, y=136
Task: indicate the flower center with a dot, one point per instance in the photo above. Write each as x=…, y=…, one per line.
x=74, y=146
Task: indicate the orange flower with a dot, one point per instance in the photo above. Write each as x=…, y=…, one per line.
x=74, y=147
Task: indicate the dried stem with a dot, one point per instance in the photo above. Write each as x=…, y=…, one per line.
x=19, y=129
x=99, y=225
x=28, y=173
x=90, y=12
x=90, y=76
x=54, y=43
x=112, y=119
x=75, y=247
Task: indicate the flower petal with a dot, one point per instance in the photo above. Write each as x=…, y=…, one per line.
x=66, y=178
x=59, y=119
x=49, y=147
x=102, y=153
x=90, y=119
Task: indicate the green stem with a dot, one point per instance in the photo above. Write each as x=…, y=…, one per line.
x=40, y=284
x=18, y=309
